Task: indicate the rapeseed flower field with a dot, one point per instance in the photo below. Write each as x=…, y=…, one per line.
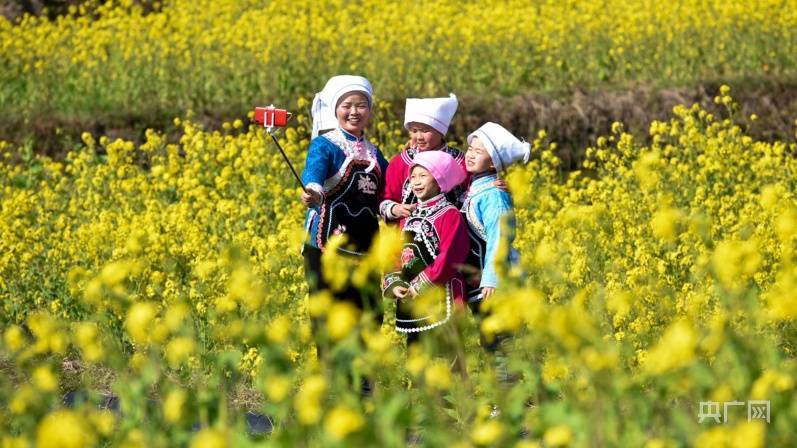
x=203, y=55
x=653, y=303
x=660, y=276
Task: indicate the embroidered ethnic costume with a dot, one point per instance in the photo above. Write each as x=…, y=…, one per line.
x=347, y=171
x=397, y=181
x=436, y=113
x=484, y=207
x=435, y=242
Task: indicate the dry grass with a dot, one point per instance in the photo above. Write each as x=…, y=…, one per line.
x=572, y=119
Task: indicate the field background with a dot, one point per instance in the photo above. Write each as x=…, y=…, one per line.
x=570, y=67
x=149, y=235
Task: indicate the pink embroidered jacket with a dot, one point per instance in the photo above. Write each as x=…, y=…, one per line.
x=436, y=244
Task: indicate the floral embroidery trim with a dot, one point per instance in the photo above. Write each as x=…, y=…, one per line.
x=360, y=151
x=390, y=281
x=385, y=209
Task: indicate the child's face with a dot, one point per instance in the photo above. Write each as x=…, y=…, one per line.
x=424, y=137
x=423, y=184
x=477, y=159
x=353, y=113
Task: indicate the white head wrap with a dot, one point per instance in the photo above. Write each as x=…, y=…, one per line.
x=323, y=115
x=435, y=112
x=503, y=147
x=325, y=102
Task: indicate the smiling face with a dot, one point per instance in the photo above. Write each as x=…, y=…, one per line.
x=477, y=159
x=423, y=183
x=424, y=137
x=353, y=112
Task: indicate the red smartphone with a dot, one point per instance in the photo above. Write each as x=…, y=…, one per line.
x=271, y=117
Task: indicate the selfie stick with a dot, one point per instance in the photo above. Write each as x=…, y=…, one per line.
x=268, y=123
x=290, y=165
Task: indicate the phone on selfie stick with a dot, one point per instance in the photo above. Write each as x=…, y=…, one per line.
x=271, y=117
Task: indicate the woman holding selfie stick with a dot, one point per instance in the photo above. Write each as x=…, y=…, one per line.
x=343, y=177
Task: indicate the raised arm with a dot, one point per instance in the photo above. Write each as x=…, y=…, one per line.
x=395, y=176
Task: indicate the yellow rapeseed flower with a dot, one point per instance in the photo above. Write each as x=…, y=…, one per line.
x=210, y=438
x=438, y=375
x=179, y=349
x=665, y=223
x=139, y=321
x=278, y=330
x=487, y=433
x=342, y=421
x=307, y=402
x=13, y=338
x=44, y=379
x=675, y=349
x=341, y=319
x=560, y=435
x=277, y=387
x=174, y=404
x=64, y=429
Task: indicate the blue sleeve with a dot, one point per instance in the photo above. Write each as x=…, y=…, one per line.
x=492, y=207
x=317, y=164
x=382, y=161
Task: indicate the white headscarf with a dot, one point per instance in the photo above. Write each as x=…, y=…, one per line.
x=323, y=115
x=326, y=101
x=435, y=112
x=503, y=147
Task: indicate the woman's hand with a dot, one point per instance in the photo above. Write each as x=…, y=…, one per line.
x=311, y=198
x=487, y=292
x=402, y=210
x=400, y=292
x=501, y=184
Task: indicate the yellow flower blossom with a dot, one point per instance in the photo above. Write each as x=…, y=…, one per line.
x=675, y=349
x=178, y=350
x=558, y=436
x=104, y=421
x=277, y=387
x=342, y=421
x=438, y=375
x=174, y=405
x=44, y=379
x=307, y=402
x=278, y=330
x=341, y=319
x=139, y=321
x=489, y=432
x=13, y=338
x=210, y=438
x=665, y=223
x=64, y=429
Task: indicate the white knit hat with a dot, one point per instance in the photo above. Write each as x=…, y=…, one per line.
x=503, y=147
x=435, y=112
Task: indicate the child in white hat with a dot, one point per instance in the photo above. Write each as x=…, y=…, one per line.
x=491, y=150
x=427, y=121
